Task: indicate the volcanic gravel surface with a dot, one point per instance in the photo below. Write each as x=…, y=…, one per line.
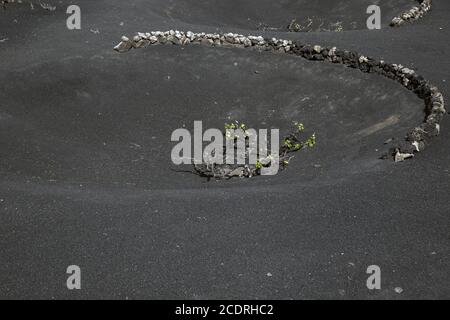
x=86, y=176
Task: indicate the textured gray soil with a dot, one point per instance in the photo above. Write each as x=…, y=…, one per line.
x=86, y=179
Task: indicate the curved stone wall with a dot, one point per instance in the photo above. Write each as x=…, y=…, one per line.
x=415, y=141
x=413, y=14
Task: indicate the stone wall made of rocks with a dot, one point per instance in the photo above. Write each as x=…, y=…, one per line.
x=413, y=14
x=415, y=141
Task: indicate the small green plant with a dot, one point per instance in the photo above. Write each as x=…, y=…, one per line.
x=311, y=142
x=293, y=143
x=236, y=125
x=290, y=144
x=300, y=127
x=230, y=126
